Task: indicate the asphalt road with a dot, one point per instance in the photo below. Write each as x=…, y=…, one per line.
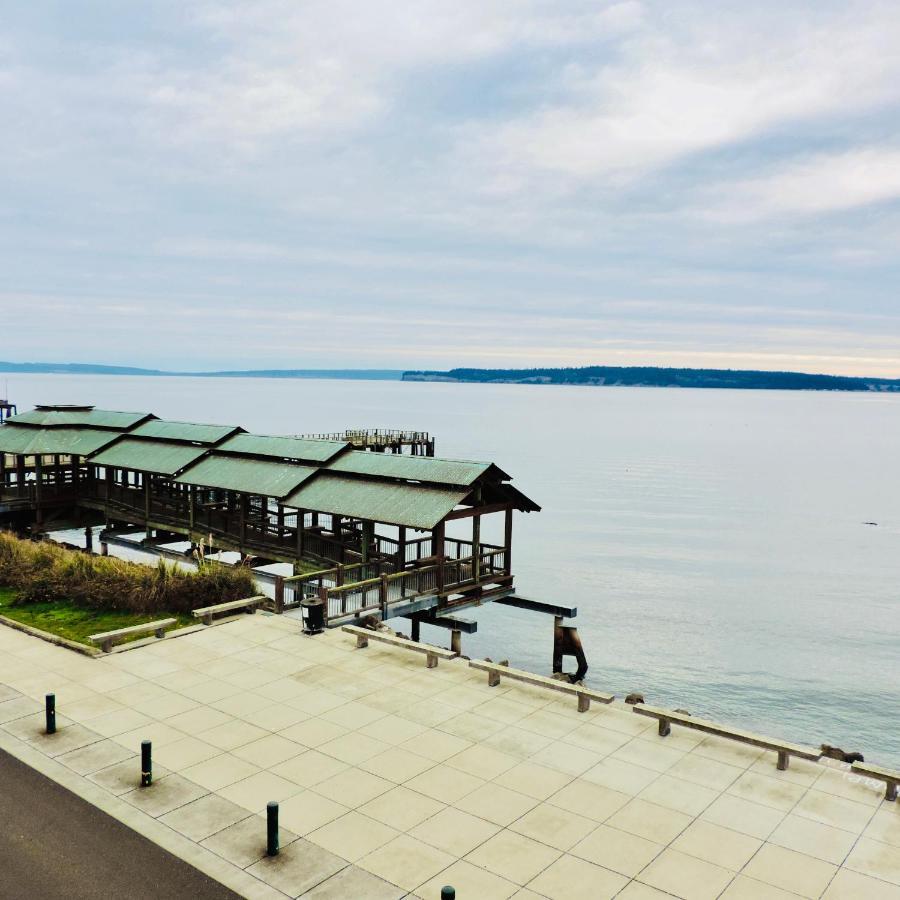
x=55, y=845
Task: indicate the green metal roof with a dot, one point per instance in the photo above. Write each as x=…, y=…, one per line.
x=52, y=441
x=411, y=468
x=284, y=447
x=414, y=505
x=184, y=431
x=148, y=455
x=87, y=417
x=247, y=476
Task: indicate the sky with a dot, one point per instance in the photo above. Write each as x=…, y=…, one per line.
x=323, y=183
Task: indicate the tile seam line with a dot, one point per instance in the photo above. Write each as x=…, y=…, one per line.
x=200, y=858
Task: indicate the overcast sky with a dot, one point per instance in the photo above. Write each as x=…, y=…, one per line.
x=296, y=183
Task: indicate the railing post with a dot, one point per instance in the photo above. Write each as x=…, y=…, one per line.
x=383, y=597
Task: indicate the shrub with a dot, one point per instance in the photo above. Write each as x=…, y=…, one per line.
x=41, y=572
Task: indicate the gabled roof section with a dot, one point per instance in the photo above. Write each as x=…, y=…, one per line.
x=148, y=455
x=246, y=476
x=53, y=441
x=276, y=447
x=80, y=417
x=190, y=432
x=428, y=469
x=393, y=503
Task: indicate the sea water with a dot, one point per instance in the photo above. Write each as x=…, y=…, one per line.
x=733, y=553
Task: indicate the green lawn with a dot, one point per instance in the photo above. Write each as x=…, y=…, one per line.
x=76, y=622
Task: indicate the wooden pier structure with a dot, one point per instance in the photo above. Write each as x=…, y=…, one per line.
x=391, y=533
x=381, y=440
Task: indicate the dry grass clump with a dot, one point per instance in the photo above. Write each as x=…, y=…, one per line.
x=42, y=572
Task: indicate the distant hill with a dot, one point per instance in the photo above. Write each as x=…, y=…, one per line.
x=652, y=376
x=91, y=369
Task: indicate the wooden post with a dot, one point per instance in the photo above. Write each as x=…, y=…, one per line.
x=20, y=474
x=456, y=641
x=147, y=504
x=401, y=548
x=415, y=628
x=507, y=541
x=242, y=512
x=476, y=547
x=279, y=594
x=38, y=490
x=437, y=542
x=300, y=541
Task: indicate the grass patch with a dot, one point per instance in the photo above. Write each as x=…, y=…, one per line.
x=42, y=572
x=73, y=622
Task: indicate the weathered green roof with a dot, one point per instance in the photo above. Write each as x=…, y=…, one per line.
x=283, y=447
x=53, y=441
x=87, y=417
x=393, y=503
x=185, y=431
x=247, y=476
x=148, y=455
x=411, y=468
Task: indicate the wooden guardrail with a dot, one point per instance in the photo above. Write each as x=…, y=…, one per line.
x=432, y=654
x=106, y=639
x=206, y=613
x=580, y=692
x=784, y=749
x=890, y=779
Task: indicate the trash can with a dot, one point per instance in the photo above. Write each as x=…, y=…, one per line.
x=313, y=612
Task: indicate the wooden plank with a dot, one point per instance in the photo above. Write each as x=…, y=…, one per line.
x=552, y=609
x=364, y=635
x=667, y=717
x=107, y=638
x=231, y=604
x=584, y=695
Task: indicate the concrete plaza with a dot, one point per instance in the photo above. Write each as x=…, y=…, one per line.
x=394, y=779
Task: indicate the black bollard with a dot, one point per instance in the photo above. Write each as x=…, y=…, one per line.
x=448, y=893
x=272, y=828
x=146, y=764
x=50, y=711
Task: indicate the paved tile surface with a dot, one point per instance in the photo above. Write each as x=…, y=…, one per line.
x=395, y=779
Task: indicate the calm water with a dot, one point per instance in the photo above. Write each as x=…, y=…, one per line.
x=713, y=541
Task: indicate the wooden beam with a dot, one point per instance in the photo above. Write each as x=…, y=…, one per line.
x=470, y=511
x=551, y=609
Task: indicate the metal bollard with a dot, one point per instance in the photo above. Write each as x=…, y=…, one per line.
x=50, y=713
x=272, y=828
x=146, y=764
x=448, y=893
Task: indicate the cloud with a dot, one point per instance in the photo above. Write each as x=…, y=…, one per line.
x=391, y=183
x=824, y=183
x=682, y=87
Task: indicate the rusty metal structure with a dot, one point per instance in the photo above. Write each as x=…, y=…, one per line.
x=389, y=533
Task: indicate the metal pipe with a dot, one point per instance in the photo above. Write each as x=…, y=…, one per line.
x=272, y=828
x=50, y=713
x=146, y=764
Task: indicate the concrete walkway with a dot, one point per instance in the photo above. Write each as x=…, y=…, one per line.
x=395, y=779
x=55, y=845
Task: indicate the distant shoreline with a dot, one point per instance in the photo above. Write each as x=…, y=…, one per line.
x=92, y=369
x=589, y=376
x=654, y=376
